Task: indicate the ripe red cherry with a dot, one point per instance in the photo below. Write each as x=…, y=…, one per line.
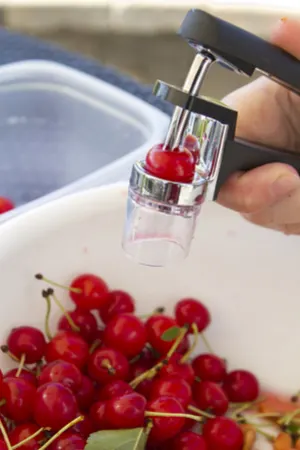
x=223, y=433
x=28, y=341
x=107, y=364
x=126, y=333
x=156, y=326
x=178, y=369
x=85, y=320
x=19, y=395
x=209, y=367
x=68, y=441
x=54, y=406
x=189, y=311
x=171, y=386
x=126, y=411
x=176, y=165
x=85, y=394
x=210, y=397
x=25, y=375
x=93, y=291
x=68, y=347
x=188, y=441
x=118, y=302
x=98, y=416
x=61, y=372
x=165, y=428
x=22, y=432
x=116, y=388
x=6, y=205
x=241, y=386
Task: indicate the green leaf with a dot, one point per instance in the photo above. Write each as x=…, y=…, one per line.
x=171, y=334
x=134, y=439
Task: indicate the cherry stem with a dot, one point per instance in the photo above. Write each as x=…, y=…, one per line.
x=287, y=419
x=149, y=374
x=166, y=414
x=19, y=444
x=60, y=432
x=206, y=343
x=94, y=345
x=5, y=436
x=21, y=365
x=246, y=406
x=5, y=350
x=193, y=346
x=63, y=310
x=200, y=412
x=46, y=296
x=105, y=364
x=40, y=276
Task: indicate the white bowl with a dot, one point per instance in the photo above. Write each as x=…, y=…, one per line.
x=247, y=276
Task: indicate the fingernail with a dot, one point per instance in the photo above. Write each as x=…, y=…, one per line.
x=285, y=184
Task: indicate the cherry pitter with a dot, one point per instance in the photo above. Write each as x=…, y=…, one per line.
x=200, y=151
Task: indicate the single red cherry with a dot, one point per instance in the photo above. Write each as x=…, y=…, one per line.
x=188, y=440
x=115, y=388
x=126, y=333
x=61, y=372
x=68, y=441
x=92, y=291
x=165, y=428
x=118, y=302
x=137, y=369
x=172, y=165
x=241, y=386
x=22, y=432
x=6, y=205
x=189, y=311
x=156, y=326
x=98, y=416
x=54, y=406
x=83, y=428
x=25, y=374
x=85, y=395
x=68, y=347
x=209, y=367
x=107, y=364
x=223, y=433
x=172, y=386
x=210, y=397
x=176, y=368
x=86, y=322
x=19, y=395
x=126, y=412
x=28, y=341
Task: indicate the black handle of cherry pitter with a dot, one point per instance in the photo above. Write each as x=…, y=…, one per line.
x=240, y=155
x=242, y=51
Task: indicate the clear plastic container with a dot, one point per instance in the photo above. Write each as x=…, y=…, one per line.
x=62, y=131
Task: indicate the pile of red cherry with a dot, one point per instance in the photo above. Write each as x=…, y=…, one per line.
x=105, y=368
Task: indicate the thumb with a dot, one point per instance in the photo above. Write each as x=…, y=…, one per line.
x=286, y=34
x=262, y=187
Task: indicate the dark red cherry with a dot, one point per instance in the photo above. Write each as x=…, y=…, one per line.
x=241, y=386
x=61, y=372
x=210, y=397
x=86, y=322
x=126, y=411
x=223, y=433
x=19, y=395
x=187, y=440
x=165, y=428
x=118, y=302
x=106, y=365
x=28, y=341
x=189, y=311
x=115, y=388
x=68, y=441
x=177, y=165
x=172, y=386
x=209, y=367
